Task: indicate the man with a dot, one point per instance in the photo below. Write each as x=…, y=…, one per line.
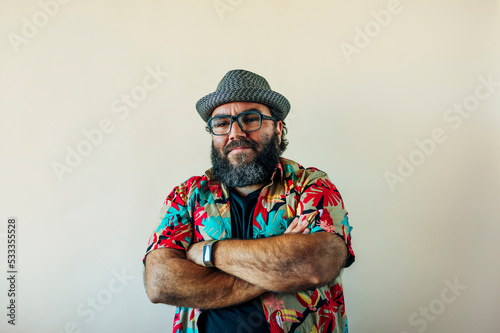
x=257, y=243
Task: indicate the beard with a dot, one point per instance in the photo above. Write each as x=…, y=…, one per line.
x=246, y=172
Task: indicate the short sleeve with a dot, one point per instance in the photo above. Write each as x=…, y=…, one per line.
x=175, y=228
x=321, y=203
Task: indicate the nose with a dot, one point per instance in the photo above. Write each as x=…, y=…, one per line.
x=236, y=132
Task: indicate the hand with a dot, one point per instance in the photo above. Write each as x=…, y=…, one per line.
x=195, y=253
x=298, y=225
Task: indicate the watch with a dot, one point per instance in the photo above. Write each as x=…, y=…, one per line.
x=207, y=254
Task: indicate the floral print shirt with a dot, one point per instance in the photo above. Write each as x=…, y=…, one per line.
x=199, y=210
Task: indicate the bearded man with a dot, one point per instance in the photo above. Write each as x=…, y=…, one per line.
x=258, y=242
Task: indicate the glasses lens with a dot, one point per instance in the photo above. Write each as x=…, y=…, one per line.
x=250, y=121
x=220, y=125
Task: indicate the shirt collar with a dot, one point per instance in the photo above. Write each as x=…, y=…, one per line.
x=214, y=183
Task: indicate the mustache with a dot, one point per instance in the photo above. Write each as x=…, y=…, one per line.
x=247, y=143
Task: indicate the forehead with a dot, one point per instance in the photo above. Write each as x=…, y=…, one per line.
x=238, y=107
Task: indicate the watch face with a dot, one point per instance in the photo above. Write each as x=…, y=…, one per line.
x=206, y=253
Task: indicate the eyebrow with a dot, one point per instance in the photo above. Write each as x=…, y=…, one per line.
x=227, y=114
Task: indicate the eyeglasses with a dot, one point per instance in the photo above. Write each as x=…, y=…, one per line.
x=249, y=121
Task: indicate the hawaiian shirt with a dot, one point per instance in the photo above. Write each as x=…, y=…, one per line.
x=199, y=210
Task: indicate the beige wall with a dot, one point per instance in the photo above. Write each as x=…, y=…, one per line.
x=359, y=105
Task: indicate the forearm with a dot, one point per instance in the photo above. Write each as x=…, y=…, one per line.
x=285, y=263
x=171, y=279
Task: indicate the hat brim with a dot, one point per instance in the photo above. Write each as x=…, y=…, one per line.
x=272, y=99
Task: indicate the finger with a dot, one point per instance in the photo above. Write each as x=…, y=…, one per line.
x=307, y=231
x=299, y=228
x=304, y=220
x=292, y=225
x=301, y=225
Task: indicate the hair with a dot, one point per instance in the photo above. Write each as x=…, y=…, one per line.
x=284, y=140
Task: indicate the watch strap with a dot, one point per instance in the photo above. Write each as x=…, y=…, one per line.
x=207, y=253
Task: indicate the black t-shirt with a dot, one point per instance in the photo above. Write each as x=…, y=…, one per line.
x=247, y=317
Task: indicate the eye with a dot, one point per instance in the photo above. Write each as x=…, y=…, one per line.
x=220, y=122
x=251, y=118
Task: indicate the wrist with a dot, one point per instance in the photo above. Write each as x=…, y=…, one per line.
x=215, y=247
x=208, y=253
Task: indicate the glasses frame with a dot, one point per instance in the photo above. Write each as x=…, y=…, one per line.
x=237, y=119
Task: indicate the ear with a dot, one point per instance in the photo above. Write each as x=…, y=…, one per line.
x=279, y=130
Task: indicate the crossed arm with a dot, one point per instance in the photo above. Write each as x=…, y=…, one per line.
x=245, y=268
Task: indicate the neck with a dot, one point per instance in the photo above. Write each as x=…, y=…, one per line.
x=244, y=191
